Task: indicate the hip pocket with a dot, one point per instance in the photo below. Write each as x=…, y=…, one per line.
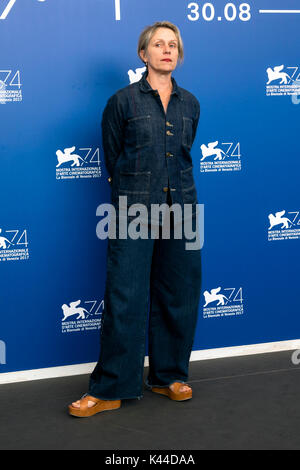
x=189, y=193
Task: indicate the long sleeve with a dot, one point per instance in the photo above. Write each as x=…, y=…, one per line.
x=196, y=120
x=112, y=132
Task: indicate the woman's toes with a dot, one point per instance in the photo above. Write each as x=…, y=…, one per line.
x=76, y=404
x=184, y=388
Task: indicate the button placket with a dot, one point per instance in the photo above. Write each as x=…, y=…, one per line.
x=169, y=128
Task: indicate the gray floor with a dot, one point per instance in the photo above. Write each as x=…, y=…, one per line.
x=249, y=402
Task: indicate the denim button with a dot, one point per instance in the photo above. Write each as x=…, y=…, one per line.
x=169, y=133
x=169, y=154
x=165, y=190
x=169, y=124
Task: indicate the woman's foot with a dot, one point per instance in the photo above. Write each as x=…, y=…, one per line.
x=183, y=388
x=89, y=406
x=176, y=391
x=76, y=404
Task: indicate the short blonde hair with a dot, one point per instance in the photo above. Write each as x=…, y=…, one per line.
x=149, y=31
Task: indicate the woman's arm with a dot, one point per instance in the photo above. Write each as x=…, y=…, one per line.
x=112, y=132
x=196, y=120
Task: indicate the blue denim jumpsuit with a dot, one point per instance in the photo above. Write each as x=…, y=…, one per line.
x=148, y=159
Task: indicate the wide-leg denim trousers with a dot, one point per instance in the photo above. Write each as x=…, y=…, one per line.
x=156, y=276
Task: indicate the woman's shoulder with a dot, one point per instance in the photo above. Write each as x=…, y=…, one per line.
x=124, y=91
x=120, y=96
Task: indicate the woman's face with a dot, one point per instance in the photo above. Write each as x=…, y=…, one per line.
x=162, y=52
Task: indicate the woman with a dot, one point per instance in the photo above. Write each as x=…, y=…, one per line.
x=148, y=129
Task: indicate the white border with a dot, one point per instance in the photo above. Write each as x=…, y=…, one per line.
x=79, y=369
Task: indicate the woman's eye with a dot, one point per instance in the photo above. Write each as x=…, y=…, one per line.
x=172, y=45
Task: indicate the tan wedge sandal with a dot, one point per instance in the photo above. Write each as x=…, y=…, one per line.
x=100, y=405
x=176, y=394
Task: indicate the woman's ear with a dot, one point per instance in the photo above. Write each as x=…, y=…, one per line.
x=142, y=55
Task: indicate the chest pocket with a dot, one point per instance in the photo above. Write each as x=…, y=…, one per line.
x=187, y=132
x=139, y=131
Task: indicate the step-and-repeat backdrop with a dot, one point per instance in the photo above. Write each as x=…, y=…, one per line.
x=60, y=60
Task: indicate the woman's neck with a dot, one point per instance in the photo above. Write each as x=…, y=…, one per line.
x=160, y=81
